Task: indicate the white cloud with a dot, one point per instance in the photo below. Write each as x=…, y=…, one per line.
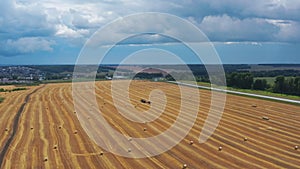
x=76, y=20
x=238, y=43
x=27, y=45
x=289, y=30
x=272, y=9
x=66, y=32
x=147, y=27
x=226, y=28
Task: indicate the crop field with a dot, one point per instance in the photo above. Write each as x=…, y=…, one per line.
x=39, y=128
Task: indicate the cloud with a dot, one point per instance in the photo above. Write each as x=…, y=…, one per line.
x=239, y=43
x=71, y=22
x=225, y=28
x=149, y=28
x=272, y=9
x=65, y=31
x=23, y=21
x=289, y=31
x=25, y=46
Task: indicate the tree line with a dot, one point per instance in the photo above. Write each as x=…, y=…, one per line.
x=245, y=80
x=289, y=86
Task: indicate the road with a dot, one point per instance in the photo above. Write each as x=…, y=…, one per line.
x=239, y=93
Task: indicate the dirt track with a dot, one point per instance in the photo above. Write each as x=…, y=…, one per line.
x=14, y=127
x=46, y=138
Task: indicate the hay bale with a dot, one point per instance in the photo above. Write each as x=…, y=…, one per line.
x=75, y=132
x=145, y=101
x=245, y=139
x=296, y=147
x=101, y=153
x=191, y=142
x=220, y=148
x=265, y=118
x=145, y=129
x=129, y=150
x=184, y=166
x=45, y=159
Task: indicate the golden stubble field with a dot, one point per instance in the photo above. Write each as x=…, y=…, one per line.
x=49, y=135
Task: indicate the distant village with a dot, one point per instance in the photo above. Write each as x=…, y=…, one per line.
x=36, y=74
x=20, y=74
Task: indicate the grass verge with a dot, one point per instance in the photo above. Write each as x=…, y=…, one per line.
x=1, y=99
x=259, y=92
x=12, y=90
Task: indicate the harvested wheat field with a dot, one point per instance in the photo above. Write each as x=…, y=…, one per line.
x=39, y=129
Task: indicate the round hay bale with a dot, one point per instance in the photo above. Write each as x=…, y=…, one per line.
x=191, y=142
x=45, y=159
x=245, y=139
x=184, y=166
x=220, y=148
x=145, y=129
x=129, y=150
x=265, y=118
x=296, y=147
x=75, y=132
x=101, y=153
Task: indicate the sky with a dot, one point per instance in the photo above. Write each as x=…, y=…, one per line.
x=242, y=31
